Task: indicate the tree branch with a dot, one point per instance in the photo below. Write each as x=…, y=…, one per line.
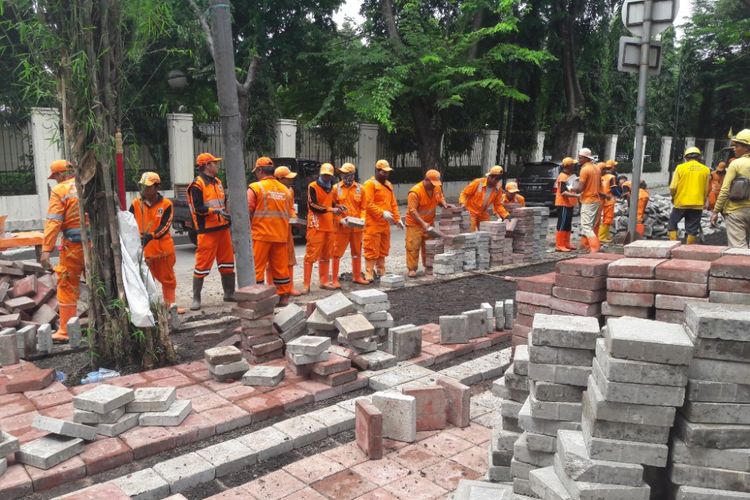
x=252, y=70
x=387, y=9
x=204, y=25
x=475, y=25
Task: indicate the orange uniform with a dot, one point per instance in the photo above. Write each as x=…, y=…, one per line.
x=320, y=223
x=292, y=260
x=353, y=198
x=268, y=202
x=425, y=205
x=154, y=223
x=608, y=204
x=63, y=216
x=591, y=181
x=561, y=187
x=379, y=198
x=206, y=199
x=477, y=197
x=518, y=199
x=716, y=181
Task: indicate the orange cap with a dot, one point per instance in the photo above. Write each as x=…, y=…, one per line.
x=568, y=161
x=512, y=187
x=433, y=176
x=284, y=173
x=58, y=166
x=496, y=170
x=347, y=168
x=326, y=169
x=205, y=158
x=627, y=184
x=721, y=166
x=611, y=163
x=602, y=166
x=263, y=162
x=149, y=179
x=383, y=165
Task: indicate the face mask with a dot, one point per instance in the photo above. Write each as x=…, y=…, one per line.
x=348, y=180
x=326, y=184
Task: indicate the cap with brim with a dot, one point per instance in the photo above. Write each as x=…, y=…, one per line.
x=57, y=167
x=149, y=179
x=692, y=151
x=495, y=171
x=568, y=162
x=383, y=165
x=284, y=173
x=347, y=168
x=434, y=177
x=263, y=162
x=327, y=169
x=512, y=187
x=206, y=158
x=586, y=153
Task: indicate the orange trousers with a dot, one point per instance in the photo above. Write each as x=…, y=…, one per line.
x=476, y=220
x=347, y=238
x=319, y=245
x=608, y=213
x=377, y=245
x=276, y=256
x=415, y=243
x=69, y=271
x=162, y=269
x=215, y=246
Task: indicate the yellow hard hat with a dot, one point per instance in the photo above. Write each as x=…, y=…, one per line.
x=149, y=179
x=692, y=151
x=284, y=173
x=496, y=170
x=383, y=165
x=347, y=168
x=434, y=177
x=512, y=187
x=326, y=169
x=568, y=161
x=57, y=167
x=742, y=137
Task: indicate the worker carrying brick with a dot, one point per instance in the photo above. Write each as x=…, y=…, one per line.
x=211, y=221
x=381, y=211
x=717, y=179
x=321, y=210
x=589, y=188
x=565, y=201
x=691, y=183
x=483, y=193
x=734, y=198
x=512, y=195
x=286, y=177
x=350, y=195
x=269, y=208
x=153, y=213
x=63, y=216
x=421, y=208
x=609, y=183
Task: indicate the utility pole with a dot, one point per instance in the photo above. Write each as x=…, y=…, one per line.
x=226, y=87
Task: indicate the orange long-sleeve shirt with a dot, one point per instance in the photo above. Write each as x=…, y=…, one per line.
x=425, y=205
x=155, y=219
x=353, y=198
x=477, y=197
x=379, y=198
x=62, y=213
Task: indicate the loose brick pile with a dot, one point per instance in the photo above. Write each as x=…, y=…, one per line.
x=529, y=233
x=259, y=340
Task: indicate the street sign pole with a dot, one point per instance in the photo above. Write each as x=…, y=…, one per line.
x=640, y=119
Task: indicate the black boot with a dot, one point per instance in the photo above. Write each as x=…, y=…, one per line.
x=197, y=287
x=227, y=283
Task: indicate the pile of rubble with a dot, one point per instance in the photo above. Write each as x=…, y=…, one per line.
x=656, y=217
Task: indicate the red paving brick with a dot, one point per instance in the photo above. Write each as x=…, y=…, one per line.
x=416, y=457
x=193, y=366
x=445, y=444
x=344, y=485
x=16, y=406
x=64, y=411
x=147, y=441
x=30, y=380
x=458, y=396
x=131, y=381
x=448, y=473
x=275, y=485
x=15, y=483
x=414, y=487
x=541, y=283
x=176, y=381
x=18, y=424
x=378, y=494
x=69, y=470
x=313, y=468
x=238, y=393
x=205, y=402
x=152, y=375
x=474, y=433
x=431, y=333
x=194, y=428
x=347, y=455
x=305, y=494
x=292, y=397
x=381, y=471
x=368, y=429
x=228, y=417
x=52, y=399
x=239, y=493
x=108, y=491
x=262, y=407
x=193, y=391
x=475, y=458
x=431, y=408
x=105, y=454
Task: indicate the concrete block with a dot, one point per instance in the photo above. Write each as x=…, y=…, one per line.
x=717, y=392
x=546, y=485
x=596, y=491
x=103, y=398
x=716, y=413
x=522, y=453
x=44, y=338
x=565, y=331
x=718, y=321
x=520, y=469
x=509, y=312
x=709, y=477
x=269, y=442
x=371, y=308
x=522, y=487
x=639, y=394
x=399, y=415
x=694, y=493
x=8, y=444
x=731, y=459
x=222, y=355
x=514, y=381
x=228, y=456
x=266, y=376
x=303, y=359
x=152, y=399
x=639, y=372
x=63, y=428
x=719, y=371
x=174, y=416
x=540, y=425
x=308, y=345
x=631, y=452
x=547, y=391
x=334, y=306
x=48, y=451
x=510, y=408
x=233, y=371
x=74, y=332
x=541, y=442
x=636, y=339
x=379, y=360
x=8, y=348
x=521, y=358
x=559, y=355
x=476, y=323
x=458, y=398
x=554, y=410
x=369, y=429
x=369, y=296
x=560, y=374
x=144, y=484
x=497, y=474
x=335, y=418
x=319, y=323
x=405, y=341
x=185, y=471
x=718, y=436
x=601, y=409
x=302, y=430
x=454, y=329
x=354, y=327
x=287, y=317
x=642, y=433
x=124, y=423
x=90, y=417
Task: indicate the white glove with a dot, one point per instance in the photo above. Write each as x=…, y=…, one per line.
x=434, y=232
x=388, y=216
x=401, y=224
x=344, y=222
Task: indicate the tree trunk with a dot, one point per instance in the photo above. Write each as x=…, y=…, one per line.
x=429, y=135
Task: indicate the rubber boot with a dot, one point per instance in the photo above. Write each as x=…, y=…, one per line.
x=640, y=229
x=335, y=274
x=380, y=266
x=560, y=242
x=584, y=243
x=594, y=244
x=357, y=272
x=369, y=270
x=227, y=283
x=67, y=311
x=672, y=235
x=691, y=240
x=566, y=241
x=294, y=292
x=306, y=278
x=323, y=268
x=197, y=287
x=604, y=233
x=283, y=300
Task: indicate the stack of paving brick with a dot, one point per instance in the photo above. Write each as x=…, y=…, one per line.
x=580, y=287
x=392, y=281
x=433, y=247
x=225, y=363
x=445, y=264
x=357, y=333
x=289, y=322
x=27, y=295
x=560, y=352
x=305, y=351
x=533, y=295
x=450, y=220
x=483, y=250
x=501, y=248
x=631, y=288
x=638, y=380
x=530, y=232
x=470, y=251
x=255, y=306
x=374, y=305
x=729, y=280
x=679, y=281
x=710, y=451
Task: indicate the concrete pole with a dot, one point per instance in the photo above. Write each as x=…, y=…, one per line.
x=708, y=154
x=666, y=150
x=367, y=150
x=226, y=86
x=610, y=149
x=286, y=138
x=537, y=154
x=689, y=143
x=578, y=145
x=489, y=148
x=181, y=154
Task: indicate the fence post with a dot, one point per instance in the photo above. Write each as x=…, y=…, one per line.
x=489, y=148
x=286, y=138
x=538, y=153
x=181, y=154
x=666, y=151
x=46, y=143
x=578, y=144
x=610, y=148
x=367, y=150
x=708, y=154
x=689, y=143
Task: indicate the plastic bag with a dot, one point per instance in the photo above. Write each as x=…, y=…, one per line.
x=139, y=284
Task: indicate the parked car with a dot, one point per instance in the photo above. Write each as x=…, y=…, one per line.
x=537, y=183
x=307, y=170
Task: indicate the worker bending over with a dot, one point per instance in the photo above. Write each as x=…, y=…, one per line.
x=565, y=201
x=717, y=179
x=350, y=195
x=422, y=202
x=483, y=193
x=381, y=211
x=512, y=195
x=689, y=188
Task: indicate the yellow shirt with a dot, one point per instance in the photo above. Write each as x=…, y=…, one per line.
x=739, y=166
x=689, y=185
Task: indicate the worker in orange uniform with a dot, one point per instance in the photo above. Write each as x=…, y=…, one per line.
x=483, y=193
x=350, y=195
x=608, y=183
x=153, y=214
x=63, y=215
x=422, y=202
x=589, y=188
x=717, y=179
x=565, y=201
x=269, y=208
x=286, y=177
x=321, y=210
x=211, y=221
x=512, y=195
x=643, y=199
x=381, y=211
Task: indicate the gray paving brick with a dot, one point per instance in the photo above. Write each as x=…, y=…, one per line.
x=222, y=355
x=90, y=417
x=515, y=381
x=725, y=350
x=731, y=459
x=144, y=484
x=304, y=359
x=521, y=469
x=174, y=416
x=265, y=376
x=717, y=413
x=540, y=425
x=561, y=393
x=8, y=443
x=546, y=485
x=227, y=371
x=719, y=436
x=521, y=357
x=644, y=433
x=476, y=323
x=574, y=332
x=616, y=450
x=354, y=327
x=510, y=408
x=152, y=399
x=500, y=390
x=269, y=442
x=710, y=477
x=718, y=392
x=642, y=394
x=335, y=418
x=48, y=451
x=369, y=296
x=126, y=422
x=481, y=490
x=718, y=321
x=63, y=427
x=103, y=398
x=229, y=456
x=454, y=329
x=579, y=466
x=639, y=372
x=540, y=442
x=625, y=413
x=334, y=306
x=303, y=430
x=399, y=415
x=308, y=345
x=522, y=453
x=555, y=410
x=598, y=491
x=185, y=471
x=287, y=317
x=693, y=493
x=637, y=339
x=379, y=360
x=560, y=374
x=405, y=341
x=719, y=371
x=559, y=355
x=374, y=307
x=318, y=322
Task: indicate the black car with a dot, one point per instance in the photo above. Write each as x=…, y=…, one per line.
x=537, y=183
x=307, y=171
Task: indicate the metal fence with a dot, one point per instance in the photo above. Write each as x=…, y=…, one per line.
x=207, y=138
x=16, y=161
x=338, y=148
x=460, y=149
x=139, y=159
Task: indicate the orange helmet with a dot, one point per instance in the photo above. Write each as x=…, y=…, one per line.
x=512, y=187
x=284, y=173
x=58, y=166
x=205, y=158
